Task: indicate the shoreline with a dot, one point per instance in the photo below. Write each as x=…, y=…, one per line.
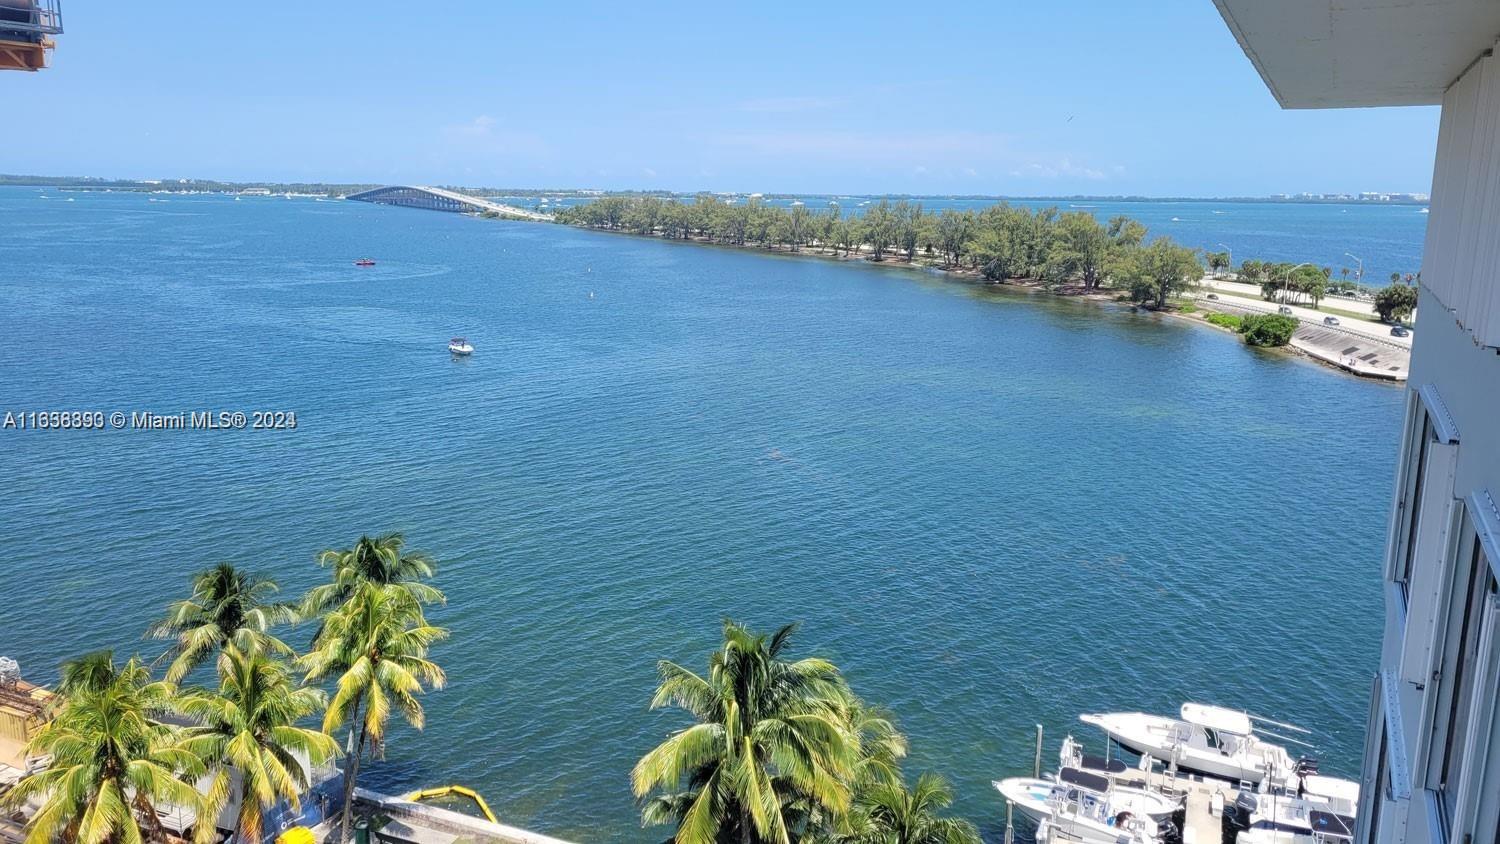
x=972, y=276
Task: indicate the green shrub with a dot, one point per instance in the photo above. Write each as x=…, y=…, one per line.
x=1229, y=321
x=1268, y=329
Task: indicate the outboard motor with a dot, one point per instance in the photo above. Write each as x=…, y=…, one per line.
x=1168, y=832
x=1305, y=767
x=1236, y=817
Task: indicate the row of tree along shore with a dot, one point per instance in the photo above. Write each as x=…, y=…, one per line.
x=1069, y=252
x=774, y=750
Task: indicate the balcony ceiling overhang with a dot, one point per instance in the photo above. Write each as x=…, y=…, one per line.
x=1356, y=53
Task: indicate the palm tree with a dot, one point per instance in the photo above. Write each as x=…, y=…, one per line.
x=878, y=762
x=250, y=726
x=376, y=642
x=92, y=672
x=881, y=747
x=112, y=764
x=380, y=561
x=771, y=745
x=228, y=606
x=889, y=813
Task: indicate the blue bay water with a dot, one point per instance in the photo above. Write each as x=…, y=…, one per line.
x=992, y=509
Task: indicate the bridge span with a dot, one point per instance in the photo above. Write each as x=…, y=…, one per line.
x=439, y=199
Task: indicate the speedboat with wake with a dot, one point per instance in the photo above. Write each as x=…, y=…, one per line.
x=1086, y=807
x=1207, y=740
x=459, y=346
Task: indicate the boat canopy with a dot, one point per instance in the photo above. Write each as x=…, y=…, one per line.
x=1331, y=787
x=1084, y=779
x=1099, y=763
x=1216, y=718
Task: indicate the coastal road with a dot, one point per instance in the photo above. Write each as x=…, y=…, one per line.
x=1241, y=288
x=1252, y=301
x=1346, y=345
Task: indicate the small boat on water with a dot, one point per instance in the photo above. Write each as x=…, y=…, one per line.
x=365, y=262
x=459, y=346
x=1088, y=808
x=1278, y=817
x=1207, y=740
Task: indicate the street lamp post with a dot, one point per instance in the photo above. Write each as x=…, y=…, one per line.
x=1286, y=278
x=1359, y=274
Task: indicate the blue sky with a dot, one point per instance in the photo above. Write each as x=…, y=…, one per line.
x=1010, y=98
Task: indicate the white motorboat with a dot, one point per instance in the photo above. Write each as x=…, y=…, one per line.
x=459, y=346
x=1087, y=807
x=1206, y=740
x=1284, y=818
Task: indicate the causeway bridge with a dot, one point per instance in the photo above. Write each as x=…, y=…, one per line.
x=439, y=199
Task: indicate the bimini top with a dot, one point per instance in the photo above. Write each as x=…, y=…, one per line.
x=1084, y=779
x=1331, y=787
x=1216, y=718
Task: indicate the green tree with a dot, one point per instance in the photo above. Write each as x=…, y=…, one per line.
x=1395, y=303
x=890, y=813
x=376, y=643
x=1126, y=232
x=1252, y=271
x=908, y=225
x=1268, y=329
x=249, y=728
x=770, y=743
x=113, y=764
x=799, y=226
x=881, y=228
x=1160, y=270
x=378, y=561
x=228, y=605
x=1082, y=249
x=1216, y=261
x=954, y=230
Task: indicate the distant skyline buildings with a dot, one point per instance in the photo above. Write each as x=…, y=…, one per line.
x=1362, y=196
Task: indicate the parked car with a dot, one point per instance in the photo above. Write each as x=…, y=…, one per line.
x=1214, y=296
x=1284, y=310
x=1330, y=320
x=1400, y=331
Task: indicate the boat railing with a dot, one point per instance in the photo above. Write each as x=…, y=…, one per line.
x=30, y=20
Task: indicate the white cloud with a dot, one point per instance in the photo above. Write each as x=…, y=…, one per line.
x=484, y=136
x=867, y=147
x=1060, y=168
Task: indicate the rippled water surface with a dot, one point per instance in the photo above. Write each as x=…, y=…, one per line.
x=992, y=509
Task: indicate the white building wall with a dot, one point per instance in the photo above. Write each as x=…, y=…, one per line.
x=1432, y=756
x=1462, y=254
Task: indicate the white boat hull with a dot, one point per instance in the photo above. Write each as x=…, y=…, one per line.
x=1085, y=817
x=1167, y=740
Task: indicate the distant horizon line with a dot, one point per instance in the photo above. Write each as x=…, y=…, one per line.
x=33, y=180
